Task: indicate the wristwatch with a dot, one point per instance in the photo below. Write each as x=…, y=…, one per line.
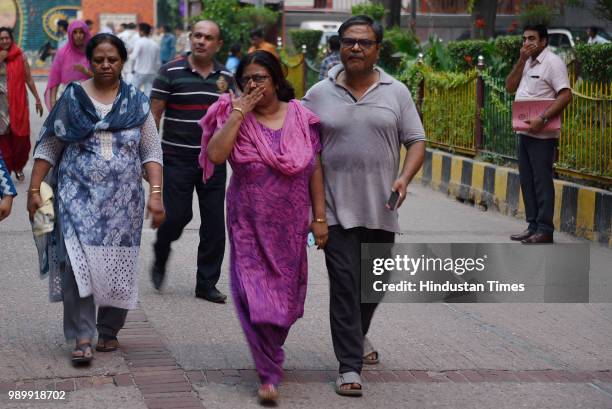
x=543, y=118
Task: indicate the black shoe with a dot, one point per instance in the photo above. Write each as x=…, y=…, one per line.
x=539, y=238
x=522, y=236
x=157, y=277
x=212, y=295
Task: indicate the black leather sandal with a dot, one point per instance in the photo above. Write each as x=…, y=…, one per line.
x=86, y=353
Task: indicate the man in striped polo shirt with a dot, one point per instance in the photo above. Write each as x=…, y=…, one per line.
x=182, y=92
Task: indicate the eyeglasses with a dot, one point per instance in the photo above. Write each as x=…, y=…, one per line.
x=363, y=43
x=257, y=79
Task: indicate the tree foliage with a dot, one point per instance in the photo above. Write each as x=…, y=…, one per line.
x=309, y=38
x=236, y=20
x=536, y=14
x=603, y=9
x=375, y=10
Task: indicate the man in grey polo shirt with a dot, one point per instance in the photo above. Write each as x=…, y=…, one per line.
x=366, y=116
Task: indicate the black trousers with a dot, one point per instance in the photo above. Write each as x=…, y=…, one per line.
x=349, y=318
x=536, y=157
x=181, y=176
x=110, y=321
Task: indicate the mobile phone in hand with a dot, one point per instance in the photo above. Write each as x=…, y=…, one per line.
x=310, y=240
x=393, y=199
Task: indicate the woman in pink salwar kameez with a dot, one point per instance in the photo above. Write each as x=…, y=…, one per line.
x=272, y=144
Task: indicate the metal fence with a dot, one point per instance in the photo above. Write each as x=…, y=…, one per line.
x=448, y=116
x=585, y=145
x=498, y=136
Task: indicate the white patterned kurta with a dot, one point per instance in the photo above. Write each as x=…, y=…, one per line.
x=101, y=205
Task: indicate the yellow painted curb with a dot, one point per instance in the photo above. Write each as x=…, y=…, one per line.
x=585, y=214
x=455, y=175
x=501, y=189
x=558, y=198
x=436, y=170
x=478, y=169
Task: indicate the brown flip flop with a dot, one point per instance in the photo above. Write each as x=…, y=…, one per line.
x=107, y=345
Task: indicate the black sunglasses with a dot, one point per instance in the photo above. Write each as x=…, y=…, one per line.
x=364, y=43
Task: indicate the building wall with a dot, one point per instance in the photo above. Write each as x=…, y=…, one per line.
x=139, y=11
x=35, y=21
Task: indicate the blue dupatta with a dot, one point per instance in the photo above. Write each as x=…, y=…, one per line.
x=74, y=117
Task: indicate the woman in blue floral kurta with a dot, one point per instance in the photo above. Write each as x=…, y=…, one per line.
x=97, y=138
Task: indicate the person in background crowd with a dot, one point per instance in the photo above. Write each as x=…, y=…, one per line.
x=129, y=37
x=167, y=47
x=366, y=116
x=182, y=41
x=333, y=57
x=538, y=74
x=146, y=59
x=258, y=43
x=157, y=35
x=183, y=90
x=98, y=163
x=122, y=27
x=7, y=190
x=109, y=28
x=70, y=62
x=594, y=37
x=90, y=25
x=234, y=58
x=15, y=74
x=272, y=143
x=62, y=33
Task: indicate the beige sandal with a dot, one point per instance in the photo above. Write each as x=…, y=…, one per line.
x=349, y=378
x=267, y=393
x=370, y=355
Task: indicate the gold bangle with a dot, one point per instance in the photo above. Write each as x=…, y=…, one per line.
x=239, y=110
x=321, y=220
x=156, y=186
x=155, y=191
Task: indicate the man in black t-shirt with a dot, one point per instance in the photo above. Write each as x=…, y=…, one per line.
x=183, y=91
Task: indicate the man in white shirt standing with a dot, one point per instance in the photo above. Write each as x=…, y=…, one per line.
x=129, y=37
x=146, y=59
x=538, y=74
x=594, y=37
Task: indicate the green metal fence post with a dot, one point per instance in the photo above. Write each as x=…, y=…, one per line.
x=419, y=101
x=479, y=104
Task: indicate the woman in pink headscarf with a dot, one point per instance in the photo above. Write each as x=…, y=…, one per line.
x=272, y=143
x=70, y=63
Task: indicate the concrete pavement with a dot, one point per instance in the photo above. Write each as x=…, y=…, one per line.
x=179, y=351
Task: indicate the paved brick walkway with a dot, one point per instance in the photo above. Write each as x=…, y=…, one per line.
x=164, y=384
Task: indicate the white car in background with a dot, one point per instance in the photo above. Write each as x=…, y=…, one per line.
x=561, y=41
x=329, y=28
x=560, y=38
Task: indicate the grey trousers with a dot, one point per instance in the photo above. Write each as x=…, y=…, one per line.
x=80, y=313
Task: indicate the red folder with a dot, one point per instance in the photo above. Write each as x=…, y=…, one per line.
x=525, y=109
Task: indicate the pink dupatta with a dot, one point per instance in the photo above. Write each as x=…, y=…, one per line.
x=62, y=69
x=252, y=146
